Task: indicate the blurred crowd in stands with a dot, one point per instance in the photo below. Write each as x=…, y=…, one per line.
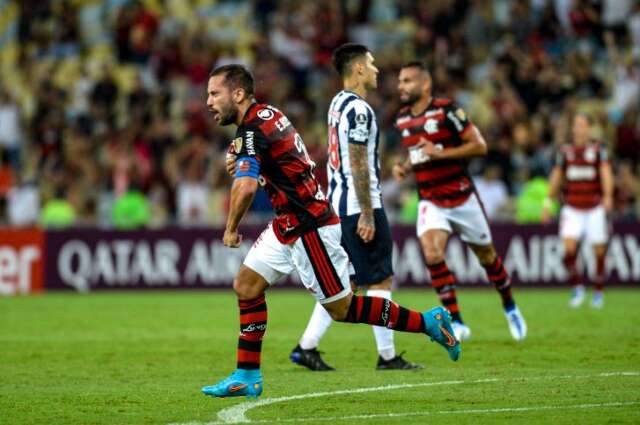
x=102, y=104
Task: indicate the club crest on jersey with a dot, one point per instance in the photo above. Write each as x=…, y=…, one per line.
x=460, y=114
x=590, y=155
x=237, y=144
x=265, y=114
x=361, y=119
x=431, y=126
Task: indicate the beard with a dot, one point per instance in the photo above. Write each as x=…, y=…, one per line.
x=411, y=99
x=228, y=116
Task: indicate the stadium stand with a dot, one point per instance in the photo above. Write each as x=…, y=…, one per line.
x=101, y=99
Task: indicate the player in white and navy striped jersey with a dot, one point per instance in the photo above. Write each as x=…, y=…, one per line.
x=354, y=191
x=351, y=120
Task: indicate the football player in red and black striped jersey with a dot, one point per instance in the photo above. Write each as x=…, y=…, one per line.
x=583, y=171
x=304, y=236
x=440, y=139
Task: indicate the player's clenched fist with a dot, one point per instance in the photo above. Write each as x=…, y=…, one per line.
x=399, y=172
x=231, y=163
x=231, y=238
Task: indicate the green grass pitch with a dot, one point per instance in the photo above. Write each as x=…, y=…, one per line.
x=134, y=358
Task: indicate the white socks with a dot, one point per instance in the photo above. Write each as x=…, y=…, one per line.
x=384, y=336
x=321, y=320
x=316, y=328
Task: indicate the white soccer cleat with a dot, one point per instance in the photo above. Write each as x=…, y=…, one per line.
x=461, y=331
x=577, y=297
x=597, y=301
x=517, y=324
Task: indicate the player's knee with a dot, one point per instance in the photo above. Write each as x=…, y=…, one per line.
x=434, y=255
x=486, y=255
x=244, y=290
x=338, y=310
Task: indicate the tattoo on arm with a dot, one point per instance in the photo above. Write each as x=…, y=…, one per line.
x=361, y=179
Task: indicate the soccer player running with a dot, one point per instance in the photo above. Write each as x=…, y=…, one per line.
x=440, y=138
x=354, y=191
x=303, y=236
x=583, y=171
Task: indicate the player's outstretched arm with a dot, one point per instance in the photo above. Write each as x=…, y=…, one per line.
x=555, y=180
x=361, y=181
x=243, y=191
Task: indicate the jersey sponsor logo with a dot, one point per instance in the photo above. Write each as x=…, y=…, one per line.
x=359, y=134
x=581, y=172
x=265, y=114
x=249, y=141
x=417, y=155
x=237, y=144
x=431, y=126
x=454, y=119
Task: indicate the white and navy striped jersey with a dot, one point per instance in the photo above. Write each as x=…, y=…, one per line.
x=351, y=120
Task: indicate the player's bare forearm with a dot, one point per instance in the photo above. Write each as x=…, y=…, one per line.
x=555, y=180
x=606, y=181
x=243, y=191
x=361, y=178
x=473, y=145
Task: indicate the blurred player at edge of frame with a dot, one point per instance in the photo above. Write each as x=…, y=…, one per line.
x=583, y=171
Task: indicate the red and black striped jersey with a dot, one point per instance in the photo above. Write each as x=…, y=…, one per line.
x=286, y=171
x=580, y=165
x=446, y=183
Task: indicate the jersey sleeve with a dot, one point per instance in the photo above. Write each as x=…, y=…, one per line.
x=457, y=119
x=359, y=119
x=249, y=146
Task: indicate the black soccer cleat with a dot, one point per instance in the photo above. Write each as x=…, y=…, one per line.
x=396, y=363
x=310, y=359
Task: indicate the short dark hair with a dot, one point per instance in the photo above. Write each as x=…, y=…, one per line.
x=235, y=76
x=344, y=55
x=417, y=64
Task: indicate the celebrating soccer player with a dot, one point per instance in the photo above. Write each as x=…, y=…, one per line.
x=354, y=191
x=584, y=172
x=440, y=138
x=304, y=236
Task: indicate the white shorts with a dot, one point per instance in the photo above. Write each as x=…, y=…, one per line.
x=468, y=220
x=589, y=224
x=317, y=256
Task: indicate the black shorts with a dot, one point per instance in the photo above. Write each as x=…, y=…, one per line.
x=371, y=261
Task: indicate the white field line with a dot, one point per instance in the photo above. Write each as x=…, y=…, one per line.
x=237, y=414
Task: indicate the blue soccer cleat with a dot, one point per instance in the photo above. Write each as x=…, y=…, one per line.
x=242, y=382
x=437, y=323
